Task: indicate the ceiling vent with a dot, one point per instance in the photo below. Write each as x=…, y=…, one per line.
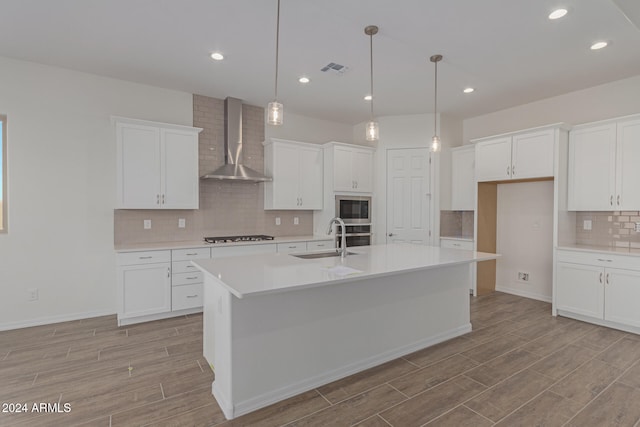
x=334, y=67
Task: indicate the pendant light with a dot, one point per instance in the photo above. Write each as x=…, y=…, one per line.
x=274, y=109
x=372, y=131
x=435, y=141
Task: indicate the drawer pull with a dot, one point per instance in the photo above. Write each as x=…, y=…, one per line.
x=193, y=254
x=456, y=244
x=145, y=257
x=293, y=247
x=192, y=296
x=190, y=266
x=192, y=278
x=605, y=260
x=320, y=245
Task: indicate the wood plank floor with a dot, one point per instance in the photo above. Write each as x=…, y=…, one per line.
x=519, y=367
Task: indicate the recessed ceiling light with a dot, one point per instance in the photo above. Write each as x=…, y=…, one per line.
x=304, y=80
x=468, y=89
x=557, y=14
x=368, y=97
x=217, y=56
x=598, y=45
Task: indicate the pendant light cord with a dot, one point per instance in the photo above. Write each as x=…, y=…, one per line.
x=371, y=56
x=277, y=48
x=435, y=102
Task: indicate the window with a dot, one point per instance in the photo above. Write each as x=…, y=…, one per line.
x=3, y=174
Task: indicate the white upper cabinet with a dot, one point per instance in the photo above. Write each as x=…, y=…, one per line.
x=352, y=168
x=157, y=165
x=297, y=171
x=522, y=155
x=603, y=166
x=463, y=178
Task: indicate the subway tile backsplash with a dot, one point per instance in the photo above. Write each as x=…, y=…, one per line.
x=614, y=229
x=225, y=208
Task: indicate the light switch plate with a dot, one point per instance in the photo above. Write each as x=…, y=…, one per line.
x=296, y=220
x=586, y=225
x=637, y=227
x=277, y=220
x=147, y=224
x=182, y=223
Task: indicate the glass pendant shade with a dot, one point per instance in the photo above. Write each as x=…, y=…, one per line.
x=435, y=144
x=275, y=113
x=373, y=134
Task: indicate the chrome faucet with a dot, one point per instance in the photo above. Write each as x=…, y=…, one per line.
x=343, y=240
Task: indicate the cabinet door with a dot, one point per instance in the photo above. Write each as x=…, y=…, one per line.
x=493, y=159
x=310, y=178
x=144, y=289
x=628, y=166
x=138, y=175
x=286, y=171
x=580, y=289
x=532, y=155
x=592, y=168
x=622, y=296
x=179, y=169
x=363, y=171
x=342, y=167
x=463, y=180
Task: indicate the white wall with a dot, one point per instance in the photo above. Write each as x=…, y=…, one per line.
x=306, y=129
x=616, y=99
x=525, y=238
x=61, y=164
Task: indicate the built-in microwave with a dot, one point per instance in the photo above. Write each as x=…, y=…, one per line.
x=355, y=211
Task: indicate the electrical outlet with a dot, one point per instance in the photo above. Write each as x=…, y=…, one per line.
x=147, y=224
x=32, y=294
x=637, y=227
x=296, y=220
x=277, y=220
x=523, y=277
x=586, y=225
x=182, y=223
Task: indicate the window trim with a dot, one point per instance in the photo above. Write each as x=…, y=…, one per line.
x=4, y=226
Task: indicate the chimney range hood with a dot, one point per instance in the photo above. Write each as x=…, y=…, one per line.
x=233, y=169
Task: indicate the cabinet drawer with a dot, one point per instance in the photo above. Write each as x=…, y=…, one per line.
x=320, y=244
x=600, y=259
x=263, y=248
x=186, y=296
x=292, y=247
x=456, y=244
x=145, y=257
x=183, y=267
x=188, y=254
x=187, y=278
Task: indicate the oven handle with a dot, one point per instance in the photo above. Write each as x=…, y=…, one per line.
x=354, y=234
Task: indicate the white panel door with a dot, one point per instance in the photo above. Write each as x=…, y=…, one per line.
x=342, y=169
x=628, y=166
x=179, y=169
x=310, y=178
x=493, y=159
x=592, y=163
x=408, y=195
x=622, y=296
x=532, y=155
x=145, y=289
x=463, y=179
x=580, y=289
x=363, y=171
x=139, y=174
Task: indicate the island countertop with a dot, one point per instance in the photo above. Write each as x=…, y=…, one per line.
x=250, y=275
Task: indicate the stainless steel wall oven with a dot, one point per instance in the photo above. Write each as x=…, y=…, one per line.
x=355, y=211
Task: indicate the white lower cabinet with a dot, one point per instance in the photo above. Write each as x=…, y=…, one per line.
x=292, y=247
x=456, y=244
x=187, y=280
x=144, y=284
x=587, y=286
x=318, y=245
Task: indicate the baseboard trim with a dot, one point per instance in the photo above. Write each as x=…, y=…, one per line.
x=521, y=293
x=601, y=322
x=282, y=393
x=54, y=319
x=159, y=316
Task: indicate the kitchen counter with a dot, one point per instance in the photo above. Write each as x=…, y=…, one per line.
x=275, y=325
x=280, y=272
x=600, y=249
x=186, y=244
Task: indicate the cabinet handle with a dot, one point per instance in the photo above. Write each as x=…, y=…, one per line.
x=293, y=247
x=320, y=246
x=190, y=266
x=192, y=296
x=157, y=199
x=605, y=260
x=508, y=171
x=356, y=184
x=607, y=278
x=618, y=200
x=168, y=272
x=193, y=254
x=513, y=170
x=163, y=199
x=456, y=244
x=145, y=257
x=601, y=277
x=301, y=202
x=611, y=200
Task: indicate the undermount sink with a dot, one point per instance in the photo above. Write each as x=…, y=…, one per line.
x=314, y=255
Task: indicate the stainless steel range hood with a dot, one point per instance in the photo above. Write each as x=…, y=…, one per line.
x=233, y=169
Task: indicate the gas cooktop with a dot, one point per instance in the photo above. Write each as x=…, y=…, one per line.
x=232, y=239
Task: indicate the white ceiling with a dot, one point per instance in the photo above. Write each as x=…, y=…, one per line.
x=507, y=49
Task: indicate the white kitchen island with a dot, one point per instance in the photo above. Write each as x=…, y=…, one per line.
x=276, y=325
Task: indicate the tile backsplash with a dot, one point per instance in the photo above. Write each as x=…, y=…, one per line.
x=456, y=224
x=226, y=208
x=610, y=229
